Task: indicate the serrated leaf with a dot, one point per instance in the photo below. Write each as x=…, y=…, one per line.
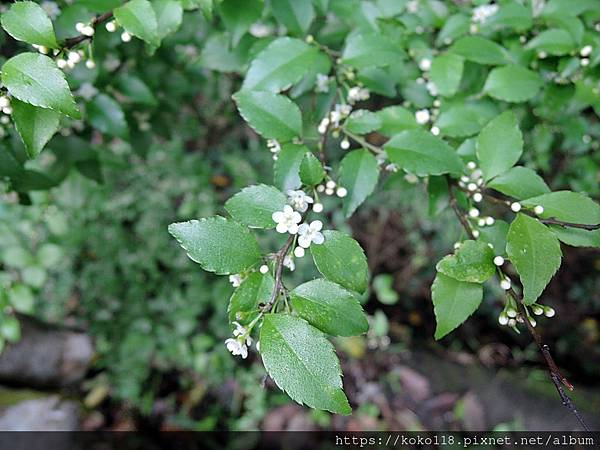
x=512, y=84
x=362, y=121
x=217, y=244
x=567, y=206
x=341, y=259
x=311, y=170
x=359, y=173
x=510, y=15
x=287, y=166
x=239, y=15
x=454, y=301
x=302, y=362
x=364, y=50
x=446, y=73
x=282, y=63
x=34, y=78
x=244, y=302
x=271, y=115
x=295, y=15
x=139, y=19
x=480, y=50
x=554, y=41
x=105, y=114
x=330, y=308
x=472, y=262
x=496, y=236
x=465, y=119
x=576, y=237
x=535, y=252
x=520, y=183
x=254, y=205
x=169, y=15
x=395, y=119
x=35, y=125
x=28, y=22
x=422, y=153
x=499, y=145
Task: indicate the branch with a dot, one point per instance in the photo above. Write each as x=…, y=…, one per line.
x=555, y=374
x=363, y=142
x=72, y=42
x=279, y=272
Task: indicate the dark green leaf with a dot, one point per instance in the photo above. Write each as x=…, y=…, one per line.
x=520, y=183
x=446, y=72
x=369, y=50
x=567, y=206
x=139, y=19
x=255, y=205
x=238, y=15
x=35, y=125
x=28, y=22
x=512, y=84
x=480, y=50
x=311, y=170
x=244, y=302
x=499, y=145
x=359, y=172
x=105, y=114
x=287, y=166
x=295, y=15
x=472, y=262
x=454, y=301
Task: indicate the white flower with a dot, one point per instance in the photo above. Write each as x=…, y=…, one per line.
x=288, y=262
x=310, y=233
x=51, y=9
x=125, y=36
x=260, y=30
x=356, y=94
x=237, y=348
x=87, y=91
x=412, y=6
x=318, y=207
x=299, y=200
x=516, y=207
x=422, y=116
x=287, y=220
x=482, y=13
x=425, y=64
x=235, y=280
x=111, y=26
x=322, y=83
x=586, y=51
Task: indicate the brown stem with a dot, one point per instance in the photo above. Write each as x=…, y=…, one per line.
x=72, y=42
x=459, y=215
x=279, y=272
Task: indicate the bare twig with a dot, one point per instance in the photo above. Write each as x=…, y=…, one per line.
x=280, y=256
x=72, y=42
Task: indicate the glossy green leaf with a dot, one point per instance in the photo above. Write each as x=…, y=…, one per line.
x=295, y=15
x=105, y=114
x=239, y=15
x=555, y=41
x=219, y=245
x=499, y=145
x=422, y=153
x=472, y=262
x=28, y=22
x=535, y=252
x=35, y=125
x=395, y=119
x=34, y=78
x=169, y=15
x=254, y=205
x=520, y=183
x=139, y=19
x=359, y=173
x=302, y=362
x=341, y=259
x=362, y=121
x=287, y=166
x=271, y=115
x=369, y=50
x=453, y=302
x=282, y=63
x=512, y=84
x=446, y=73
x=330, y=308
x=567, y=206
x=480, y=50
x=311, y=170
x=464, y=119
x=496, y=236
x=576, y=237
x=244, y=302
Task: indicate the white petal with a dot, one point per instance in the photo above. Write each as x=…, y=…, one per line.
x=296, y=217
x=293, y=229
x=277, y=216
x=244, y=352
x=287, y=209
x=281, y=228
x=303, y=229
x=316, y=225
x=302, y=207
x=308, y=199
x=318, y=238
x=304, y=241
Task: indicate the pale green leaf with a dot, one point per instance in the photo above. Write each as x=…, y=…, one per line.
x=244, y=302
x=577, y=237
x=520, y=183
x=465, y=118
x=512, y=84
x=239, y=15
x=28, y=22
x=137, y=91
x=395, y=119
x=446, y=73
x=362, y=121
x=287, y=166
x=554, y=41
x=567, y=206
x=496, y=236
x=105, y=114
x=169, y=15
x=21, y=298
x=35, y=125
x=139, y=19
x=359, y=173
x=254, y=205
x=472, y=262
x=311, y=170
x=369, y=50
x=480, y=50
x=499, y=145
x=217, y=244
x=295, y=15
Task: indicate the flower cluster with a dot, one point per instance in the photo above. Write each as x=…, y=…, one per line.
x=329, y=188
x=274, y=147
x=238, y=345
x=482, y=13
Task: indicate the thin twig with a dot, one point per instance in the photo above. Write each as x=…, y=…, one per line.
x=279, y=271
x=363, y=142
x=72, y=42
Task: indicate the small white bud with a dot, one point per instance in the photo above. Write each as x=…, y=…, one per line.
x=516, y=206
x=512, y=323
x=542, y=55
x=532, y=321
x=111, y=26
x=498, y=261
x=435, y=131
x=505, y=284
x=511, y=312
x=7, y=110
x=125, y=36
x=329, y=191
x=477, y=197
x=472, y=187
x=330, y=184
x=539, y=209
x=345, y=144
x=422, y=116
x=489, y=221
x=586, y=51
x=79, y=26
x=74, y=57
x=585, y=62
x=475, y=233
x=317, y=207
x=549, y=312
x=474, y=212
x=4, y=120
x=456, y=245
x=4, y=101
x=481, y=222
x=309, y=39
x=425, y=64
x=341, y=192
x=471, y=165
x=537, y=310
x=88, y=30
x=90, y=64
x=503, y=318
x=61, y=63
x=43, y=50
x=465, y=179
x=320, y=188
x=264, y=269
x=299, y=252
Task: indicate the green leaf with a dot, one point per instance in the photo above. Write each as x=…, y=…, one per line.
x=359, y=172
x=555, y=41
x=453, y=302
x=255, y=205
x=295, y=15
x=282, y=63
x=271, y=115
x=341, y=259
x=311, y=170
x=422, y=153
x=28, y=22
x=499, y=145
x=577, y=237
x=105, y=114
x=362, y=121
x=134, y=88
x=302, y=362
x=330, y=308
x=567, y=206
x=217, y=244
x=238, y=15
x=520, y=183
x=287, y=166
x=35, y=79
x=395, y=119
x=35, y=125
x=10, y=329
x=535, y=252
x=512, y=84
x=254, y=290
x=495, y=235
x=480, y=50
x=364, y=50
x=464, y=119
x=139, y=19
x=383, y=285
x=472, y=262
x=169, y=15
x=446, y=73
x=21, y=298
